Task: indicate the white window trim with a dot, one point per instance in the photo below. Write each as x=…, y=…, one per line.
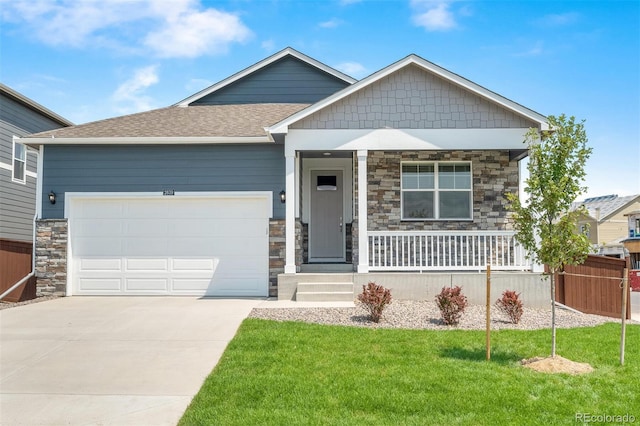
x=13, y=162
x=436, y=193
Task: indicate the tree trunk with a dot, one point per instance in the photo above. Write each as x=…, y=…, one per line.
x=553, y=313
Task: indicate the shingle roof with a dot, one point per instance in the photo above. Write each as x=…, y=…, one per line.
x=247, y=120
x=608, y=204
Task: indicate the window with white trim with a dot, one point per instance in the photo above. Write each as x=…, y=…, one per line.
x=19, y=162
x=436, y=190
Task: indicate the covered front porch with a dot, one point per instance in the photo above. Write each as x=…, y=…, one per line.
x=328, y=191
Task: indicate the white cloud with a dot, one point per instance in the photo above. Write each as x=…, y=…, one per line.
x=433, y=15
x=331, y=23
x=175, y=28
x=130, y=96
x=353, y=69
x=191, y=33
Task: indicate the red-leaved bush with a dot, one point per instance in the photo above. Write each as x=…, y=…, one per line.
x=511, y=305
x=452, y=304
x=375, y=298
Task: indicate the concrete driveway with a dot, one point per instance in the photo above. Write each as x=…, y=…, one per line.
x=110, y=360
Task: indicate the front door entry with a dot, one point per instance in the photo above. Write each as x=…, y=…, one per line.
x=326, y=224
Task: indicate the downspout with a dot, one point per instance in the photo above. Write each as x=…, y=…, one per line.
x=33, y=233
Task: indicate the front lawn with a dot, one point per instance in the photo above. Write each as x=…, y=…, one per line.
x=294, y=373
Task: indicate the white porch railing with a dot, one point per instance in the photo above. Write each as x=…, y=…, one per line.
x=445, y=250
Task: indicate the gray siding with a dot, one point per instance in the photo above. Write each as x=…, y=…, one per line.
x=412, y=98
x=288, y=80
x=17, y=208
x=17, y=200
x=154, y=168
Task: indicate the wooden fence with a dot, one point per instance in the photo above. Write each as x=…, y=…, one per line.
x=594, y=287
x=15, y=264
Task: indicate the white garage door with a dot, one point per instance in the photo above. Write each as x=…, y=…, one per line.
x=171, y=245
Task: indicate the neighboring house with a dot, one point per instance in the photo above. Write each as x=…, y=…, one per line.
x=260, y=185
x=19, y=116
x=606, y=223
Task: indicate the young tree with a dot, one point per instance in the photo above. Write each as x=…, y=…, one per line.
x=545, y=224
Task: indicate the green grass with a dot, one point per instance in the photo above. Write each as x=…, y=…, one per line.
x=305, y=374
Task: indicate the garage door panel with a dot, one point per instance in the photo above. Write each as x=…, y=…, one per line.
x=156, y=285
x=133, y=264
x=191, y=246
x=194, y=264
x=100, y=285
x=101, y=264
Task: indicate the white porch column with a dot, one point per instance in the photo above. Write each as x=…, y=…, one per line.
x=290, y=214
x=363, y=237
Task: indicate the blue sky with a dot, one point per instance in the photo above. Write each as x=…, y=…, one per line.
x=88, y=60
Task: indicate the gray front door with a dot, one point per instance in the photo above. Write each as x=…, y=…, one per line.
x=326, y=225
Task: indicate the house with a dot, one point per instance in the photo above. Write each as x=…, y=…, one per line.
x=606, y=222
x=282, y=179
x=19, y=116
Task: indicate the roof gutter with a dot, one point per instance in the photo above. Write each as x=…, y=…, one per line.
x=133, y=140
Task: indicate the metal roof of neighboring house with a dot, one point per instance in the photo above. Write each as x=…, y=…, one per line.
x=607, y=204
x=232, y=121
x=29, y=103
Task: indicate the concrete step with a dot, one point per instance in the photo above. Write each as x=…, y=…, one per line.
x=325, y=296
x=311, y=287
x=324, y=292
x=326, y=267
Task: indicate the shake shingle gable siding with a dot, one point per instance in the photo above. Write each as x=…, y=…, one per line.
x=194, y=121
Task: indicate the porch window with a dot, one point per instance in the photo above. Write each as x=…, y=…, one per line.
x=19, y=162
x=436, y=190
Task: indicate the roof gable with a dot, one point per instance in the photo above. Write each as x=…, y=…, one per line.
x=440, y=73
x=412, y=98
x=285, y=77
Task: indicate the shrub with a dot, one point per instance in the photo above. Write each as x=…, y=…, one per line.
x=510, y=305
x=375, y=298
x=452, y=304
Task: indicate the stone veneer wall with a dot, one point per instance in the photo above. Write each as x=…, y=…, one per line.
x=493, y=176
x=277, y=251
x=51, y=257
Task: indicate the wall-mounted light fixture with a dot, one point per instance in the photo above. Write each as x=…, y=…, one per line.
x=52, y=197
x=283, y=196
